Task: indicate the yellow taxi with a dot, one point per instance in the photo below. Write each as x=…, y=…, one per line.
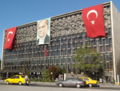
x=90, y=82
x=17, y=79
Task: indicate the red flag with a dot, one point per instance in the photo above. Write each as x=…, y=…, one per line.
x=93, y=18
x=10, y=34
x=45, y=52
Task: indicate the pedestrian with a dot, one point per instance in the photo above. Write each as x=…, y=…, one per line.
x=27, y=79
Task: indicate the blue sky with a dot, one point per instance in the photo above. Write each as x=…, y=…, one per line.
x=17, y=12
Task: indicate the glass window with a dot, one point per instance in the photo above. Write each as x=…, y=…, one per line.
x=103, y=40
x=16, y=77
x=101, y=48
x=110, y=41
x=108, y=48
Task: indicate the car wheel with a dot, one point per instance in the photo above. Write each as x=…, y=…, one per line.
x=60, y=85
x=90, y=85
x=78, y=86
x=20, y=83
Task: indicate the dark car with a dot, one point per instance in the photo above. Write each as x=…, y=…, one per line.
x=72, y=82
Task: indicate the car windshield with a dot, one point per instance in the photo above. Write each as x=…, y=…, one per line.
x=74, y=79
x=86, y=79
x=15, y=77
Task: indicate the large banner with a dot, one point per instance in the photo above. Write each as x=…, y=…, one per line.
x=94, y=21
x=10, y=35
x=43, y=31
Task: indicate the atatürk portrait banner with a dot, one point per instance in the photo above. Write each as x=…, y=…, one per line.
x=43, y=31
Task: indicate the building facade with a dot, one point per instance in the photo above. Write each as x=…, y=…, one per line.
x=67, y=34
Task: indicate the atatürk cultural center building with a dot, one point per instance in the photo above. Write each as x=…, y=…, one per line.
x=98, y=26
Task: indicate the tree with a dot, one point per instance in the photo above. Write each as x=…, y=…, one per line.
x=88, y=60
x=52, y=73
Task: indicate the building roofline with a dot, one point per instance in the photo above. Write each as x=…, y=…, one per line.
x=60, y=15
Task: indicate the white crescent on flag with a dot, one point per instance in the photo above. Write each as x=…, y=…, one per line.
x=92, y=11
x=9, y=34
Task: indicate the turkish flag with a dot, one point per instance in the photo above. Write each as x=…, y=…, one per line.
x=10, y=34
x=93, y=18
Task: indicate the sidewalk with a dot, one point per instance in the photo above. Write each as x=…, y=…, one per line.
x=107, y=85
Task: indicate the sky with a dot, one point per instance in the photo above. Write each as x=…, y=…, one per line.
x=18, y=12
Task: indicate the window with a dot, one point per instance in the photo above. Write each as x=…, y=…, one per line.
x=16, y=77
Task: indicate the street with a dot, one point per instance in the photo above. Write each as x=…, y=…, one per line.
x=36, y=87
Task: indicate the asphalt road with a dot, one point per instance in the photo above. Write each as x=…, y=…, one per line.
x=36, y=87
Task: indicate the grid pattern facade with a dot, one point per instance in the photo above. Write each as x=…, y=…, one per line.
x=67, y=34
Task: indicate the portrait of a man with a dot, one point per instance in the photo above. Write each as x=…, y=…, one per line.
x=43, y=31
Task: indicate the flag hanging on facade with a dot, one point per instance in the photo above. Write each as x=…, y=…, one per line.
x=94, y=21
x=10, y=35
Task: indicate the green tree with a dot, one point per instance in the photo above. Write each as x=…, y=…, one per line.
x=46, y=75
x=52, y=73
x=88, y=60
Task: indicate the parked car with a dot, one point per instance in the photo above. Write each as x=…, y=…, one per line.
x=90, y=82
x=72, y=82
x=17, y=79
